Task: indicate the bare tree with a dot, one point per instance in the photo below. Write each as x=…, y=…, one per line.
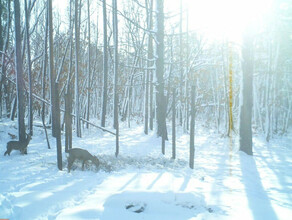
x=245, y=129
x=51, y=68
x=116, y=69
x=30, y=116
x=89, y=66
x=160, y=97
x=181, y=66
x=3, y=81
x=149, y=10
x=77, y=42
x=105, y=66
x=19, y=73
x=192, y=128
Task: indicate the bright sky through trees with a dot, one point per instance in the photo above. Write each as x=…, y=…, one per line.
x=224, y=18
x=215, y=19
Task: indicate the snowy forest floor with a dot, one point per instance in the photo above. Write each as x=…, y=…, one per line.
x=144, y=184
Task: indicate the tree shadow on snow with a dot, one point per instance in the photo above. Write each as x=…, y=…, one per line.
x=258, y=200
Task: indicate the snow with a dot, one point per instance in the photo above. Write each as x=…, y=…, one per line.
x=144, y=184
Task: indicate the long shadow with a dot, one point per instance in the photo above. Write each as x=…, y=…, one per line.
x=154, y=181
x=186, y=182
x=51, y=196
x=258, y=200
x=280, y=167
x=130, y=181
x=221, y=169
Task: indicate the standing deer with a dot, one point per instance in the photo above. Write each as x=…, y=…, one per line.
x=17, y=145
x=81, y=154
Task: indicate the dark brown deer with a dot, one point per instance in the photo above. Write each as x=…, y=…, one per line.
x=17, y=145
x=80, y=154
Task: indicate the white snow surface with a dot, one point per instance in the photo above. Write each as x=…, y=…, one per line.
x=141, y=183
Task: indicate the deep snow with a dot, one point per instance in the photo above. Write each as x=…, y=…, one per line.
x=142, y=183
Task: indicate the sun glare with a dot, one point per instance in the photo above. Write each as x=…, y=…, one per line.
x=226, y=18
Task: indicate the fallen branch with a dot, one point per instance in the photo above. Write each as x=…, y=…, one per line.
x=82, y=119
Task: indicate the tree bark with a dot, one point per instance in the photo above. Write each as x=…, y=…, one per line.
x=149, y=64
x=173, y=123
x=45, y=59
x=51, y=68
x=116, y=69
x=77, y=42
x=30, y=100
x=245, y=117
x=116, y=63
x=58, y=129
x=19, y=73
x=89, y=66
x=3, y=67
x=105, y=66
x=160, y=97
x=192, y=128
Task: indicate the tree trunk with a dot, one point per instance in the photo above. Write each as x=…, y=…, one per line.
x=192, y=129
x=3, y=80
x=30, y=116
x=116, y=68
x=116, y=63
x=13, y=109
x=149, y=10
x=19, y=73
x=51, y=69
x=105, y=66
x=173, y=123
x=89, y=77
x=58, y=128
x=77, y=42
x=245, y=123
x=160, y=97
x=230, y=124
x=45, y=59
x=180, y=67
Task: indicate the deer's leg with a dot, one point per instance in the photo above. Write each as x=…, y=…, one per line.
x=83, y=165
x=7, y=151
x=70, y=163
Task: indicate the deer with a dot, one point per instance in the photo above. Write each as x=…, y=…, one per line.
x=18, y=145
x=80, y=154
